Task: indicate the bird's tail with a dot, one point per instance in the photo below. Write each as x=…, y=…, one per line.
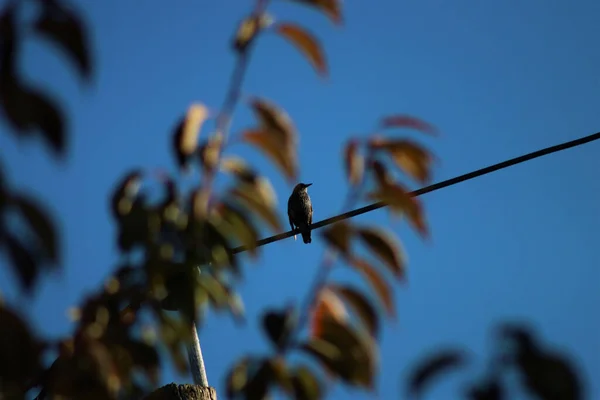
x=306, y=236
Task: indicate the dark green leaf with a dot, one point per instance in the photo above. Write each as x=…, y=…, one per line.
x=306, y=385
x=24, y=262
x=65, y=28
x=432, y=367
x=278, y=325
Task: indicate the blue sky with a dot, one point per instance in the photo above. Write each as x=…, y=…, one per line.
x=498, y=79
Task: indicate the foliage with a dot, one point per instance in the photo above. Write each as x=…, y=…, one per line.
x=181, y=254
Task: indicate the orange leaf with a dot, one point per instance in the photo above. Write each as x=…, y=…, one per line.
x=406, y=121
x=354, y=162
x=331, y=8
x=328, y=305
x=409, y=156
x=281, y=153
x=306, y=43
x=377, y=283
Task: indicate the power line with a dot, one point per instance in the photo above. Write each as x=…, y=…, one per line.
x=433, y=187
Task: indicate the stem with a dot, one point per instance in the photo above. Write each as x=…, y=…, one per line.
x=195, y=358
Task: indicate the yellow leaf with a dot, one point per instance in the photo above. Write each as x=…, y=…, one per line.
x=354, y=162
x=188, y=130
x=283, y=156
x=385, y=247
x=409, y=156
x=306, y=43
x=331, y=8
x=377, y=282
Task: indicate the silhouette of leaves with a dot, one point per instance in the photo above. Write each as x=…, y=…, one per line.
x=64, y=27
x=433, y=366
x=307, y=43
x=278, y=325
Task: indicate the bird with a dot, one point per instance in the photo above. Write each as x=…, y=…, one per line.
x=300, y=210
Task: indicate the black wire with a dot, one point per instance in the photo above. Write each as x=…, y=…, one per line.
x=431, y=188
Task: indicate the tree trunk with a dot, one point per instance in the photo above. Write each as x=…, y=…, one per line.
x=173, y=391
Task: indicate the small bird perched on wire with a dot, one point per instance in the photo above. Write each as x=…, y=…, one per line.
x=300, y=210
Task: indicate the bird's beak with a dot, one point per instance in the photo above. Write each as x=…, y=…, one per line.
x=308, y=184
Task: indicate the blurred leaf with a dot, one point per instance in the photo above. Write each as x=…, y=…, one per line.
x=146, y=357
x=185, y=139
x=331, y=8
x=400, y=201
x=125, y=192
x=10, y=43
x=278, y=325
x=487, y=390
x=280, y=153
x=305, y=383
x=307, y=44
x=408, y=156
x=377, y=282
x=545, y=373
x=381, y=173
x=240, y=226
x=354, y=162
x=432, y=367
x=360, y=304
x=345, y=352
x=328, y=305
x=237, y=377
x=23, y=261
x=384, y=246
x=406, y=121
x=259, y=198
x=41, y=224
x=339, y=236
x=29, y=109
x=238, y=167
x=20, y=353
x=66, y=29
x=281, y=374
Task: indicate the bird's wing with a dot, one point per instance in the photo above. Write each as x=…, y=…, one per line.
x=291, y=223
x=310, y=215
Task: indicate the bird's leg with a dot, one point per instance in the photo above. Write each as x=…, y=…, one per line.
x=292, y=226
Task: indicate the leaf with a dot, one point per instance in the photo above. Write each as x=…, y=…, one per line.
x=125, y=192
x=489, y=389
x=274, y=119
x=28, y=110
x=24, y=262
x=259, y=198
x=328, y=305
x=305, y=384
x=377, y=282
x=432, y=367
x=209, y=153
x=304, y=41
x=240, y=226
x=400, y=201
x=408, y=156
x=237, y=377
x=406, y=121
x=66, y=29
x=354, y=162
x=185, y=139
x=346, y=352
x=385, y=247
x=331, y=8
x=20, y=352
x=339, y=236
x=239, y=168
x=359, y=303
x=41, y=224
x=278, y=325
x=279, y=153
